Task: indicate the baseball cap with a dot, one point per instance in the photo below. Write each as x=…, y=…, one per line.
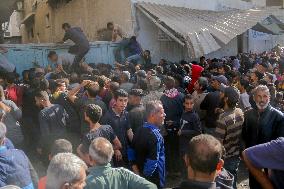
x=221, y=79
x=232, y=93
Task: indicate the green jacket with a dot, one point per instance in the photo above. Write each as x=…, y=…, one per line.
x=106, y=177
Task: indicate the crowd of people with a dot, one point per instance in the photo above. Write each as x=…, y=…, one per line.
x=136, y=124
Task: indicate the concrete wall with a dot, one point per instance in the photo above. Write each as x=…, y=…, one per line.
x=90, y=15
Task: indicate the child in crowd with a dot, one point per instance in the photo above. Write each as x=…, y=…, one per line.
x=190, y=126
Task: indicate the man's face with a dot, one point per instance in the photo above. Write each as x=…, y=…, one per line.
x=221, y=70
x=159, y=116
x=121, y=103
x=62, y=87
x=253, y=77
x=54, y=58
x=276, y=71
x=260, y=68
x=262, y=99
x=188, y=105
x=197, y=86
x=215, y=84
x=266, y=78
x=133, y=100
x=81, y=183
x=146, y=54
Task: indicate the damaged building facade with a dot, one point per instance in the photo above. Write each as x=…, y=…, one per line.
x=42, y=19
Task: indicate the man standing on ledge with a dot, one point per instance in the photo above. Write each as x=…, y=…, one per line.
x=81, y=47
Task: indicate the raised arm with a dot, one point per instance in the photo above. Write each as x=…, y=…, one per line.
x=72, y=94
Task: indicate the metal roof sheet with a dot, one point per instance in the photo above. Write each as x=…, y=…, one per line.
x=201, y=30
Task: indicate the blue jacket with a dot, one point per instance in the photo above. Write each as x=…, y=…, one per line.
x=148, y=145
x=14, y=168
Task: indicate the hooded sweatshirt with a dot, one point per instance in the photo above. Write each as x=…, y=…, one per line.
x=195, y=74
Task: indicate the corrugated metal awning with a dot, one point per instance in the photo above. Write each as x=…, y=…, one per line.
x=270, y=25
x=202, y=31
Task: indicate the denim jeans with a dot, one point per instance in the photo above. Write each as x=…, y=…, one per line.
x=232, y=165
x=136, y=58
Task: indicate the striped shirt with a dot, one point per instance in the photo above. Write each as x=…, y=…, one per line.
x=229, y=130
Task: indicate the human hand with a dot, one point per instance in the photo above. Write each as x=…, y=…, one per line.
x=85, y=83
x=118, y=155
x=4, y=107
x=179, y=132
x=135, y=169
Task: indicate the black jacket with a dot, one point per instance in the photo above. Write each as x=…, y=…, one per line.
x=190, y=184
x=262, y=127
x=210, y=103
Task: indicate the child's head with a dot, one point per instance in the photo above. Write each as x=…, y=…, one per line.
x=188, y=103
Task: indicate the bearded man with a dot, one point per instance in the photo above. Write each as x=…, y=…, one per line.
x=262, y=124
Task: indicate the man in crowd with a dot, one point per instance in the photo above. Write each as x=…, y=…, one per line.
x=172, y=100
x=15, y=166
x=60, y=97
x=229, y=130
x=203, y=161
x=59, y=146
x=93, y=114
x=211, y=102
x=103, y=176
x=148, y=144
x=117, y=118
x=262, y=124
x=255, y=77
x=135, y=109
x=125, y=83
x=200, y=91
x=59, y=62
x=244, y=97
x=66, y=171
x=81, y=47
x=266, y=156
x=53, y=121
x=92, y=90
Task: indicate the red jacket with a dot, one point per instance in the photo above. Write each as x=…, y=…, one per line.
x=15, y=93
x=195, y=74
